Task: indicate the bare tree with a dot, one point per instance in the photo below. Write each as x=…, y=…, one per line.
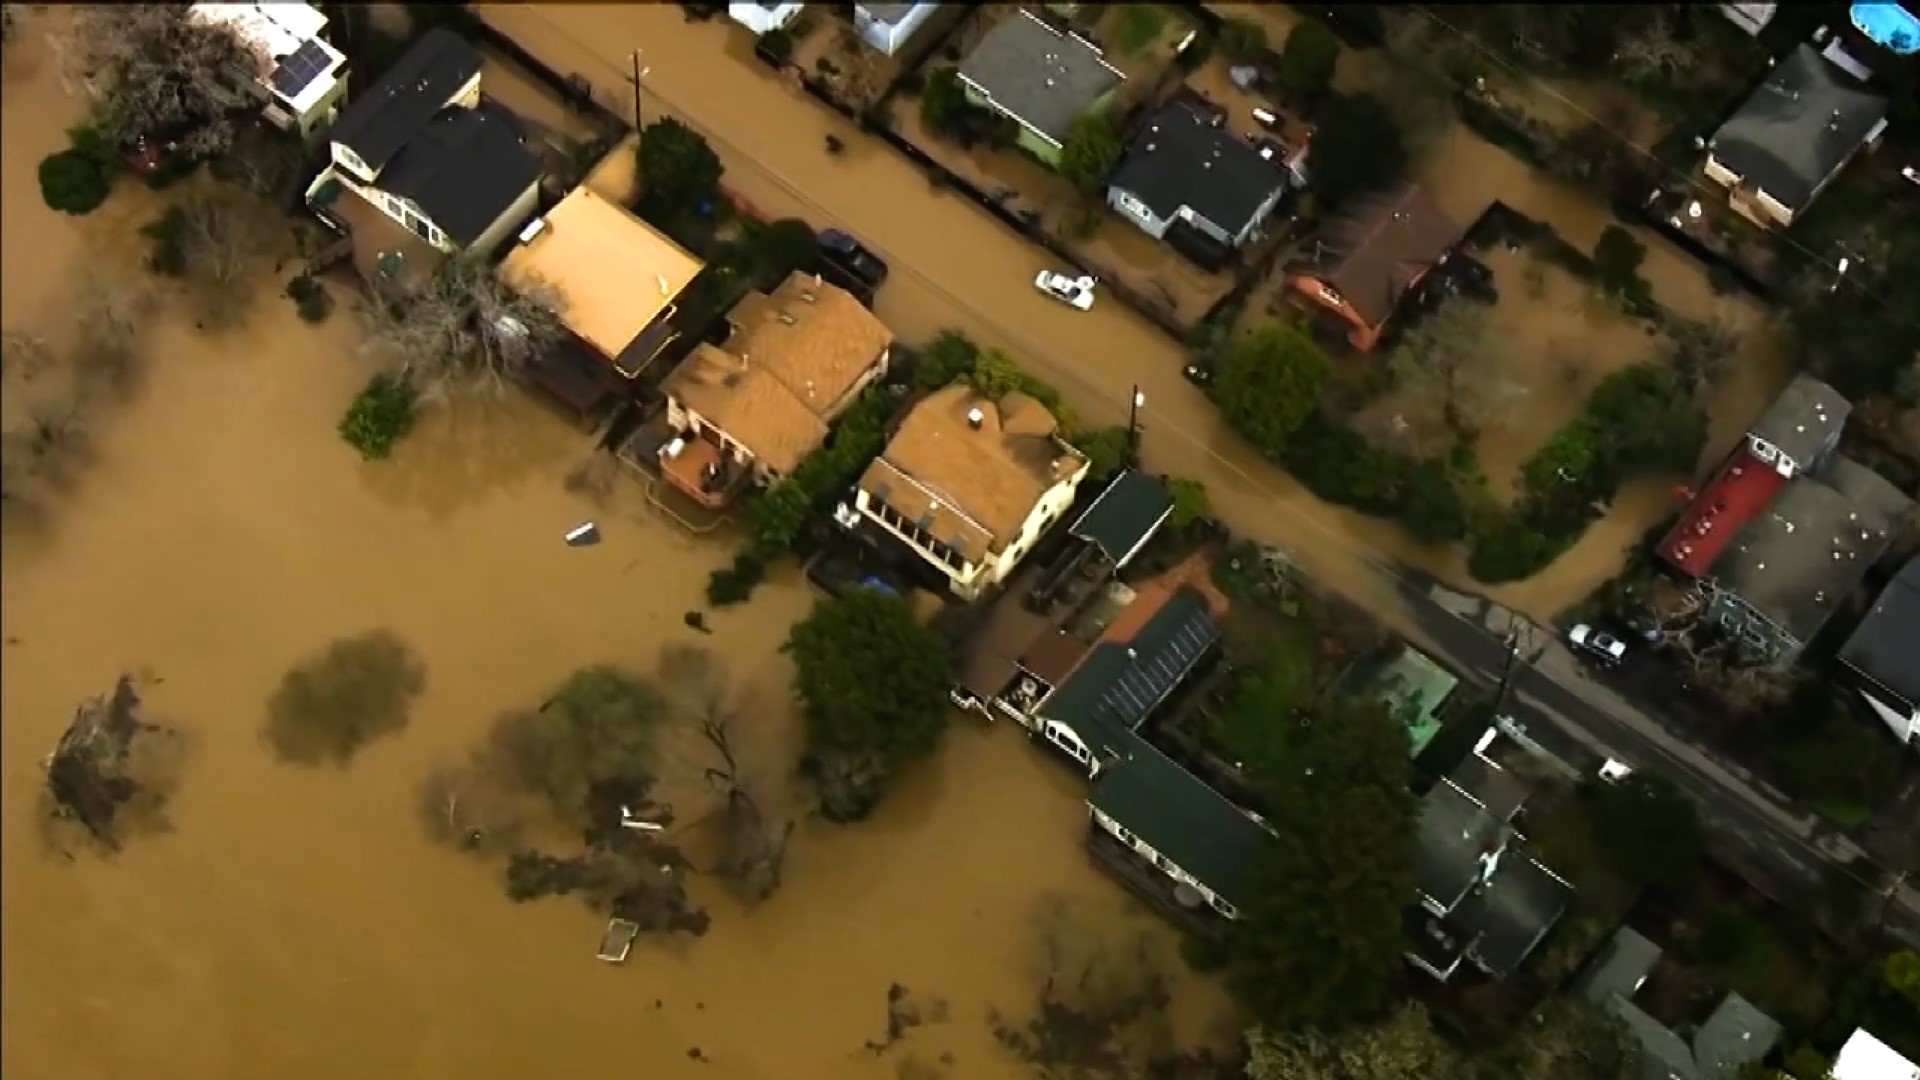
x=462, y=327
x=469, y=806
x=1653, y=54
x=111, y=319
x=1700, y=349
x=160, y=71
x=107, y=774
x=753, y=846
x=1447, y=368
x=225, y=240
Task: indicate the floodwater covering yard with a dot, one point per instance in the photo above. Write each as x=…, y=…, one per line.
x=297, y=923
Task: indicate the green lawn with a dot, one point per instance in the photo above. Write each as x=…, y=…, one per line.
x=1138, y=26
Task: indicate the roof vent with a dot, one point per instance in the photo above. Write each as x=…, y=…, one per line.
x=788, y=319
x=808, y=296
x=534, y=228
x=661, y=280
x=975, y=418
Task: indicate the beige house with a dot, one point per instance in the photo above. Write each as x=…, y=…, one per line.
x=423, y=166
x=617, y=278
x=303, y=75
x=750, y=410
x=970, y=484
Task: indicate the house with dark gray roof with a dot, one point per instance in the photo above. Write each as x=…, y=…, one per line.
x=1734, y=1035
x=1041, y=78
x=1184, y=172
x=423, y=167
x=1482, y=899
x=1882, y=657
x=1800, y=127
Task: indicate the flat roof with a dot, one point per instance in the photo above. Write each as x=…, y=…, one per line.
x=1865, y=1057
x=1882, y=646
x=613, y=272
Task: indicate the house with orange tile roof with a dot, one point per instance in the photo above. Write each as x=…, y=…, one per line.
x=748, y=410
x=970, y=484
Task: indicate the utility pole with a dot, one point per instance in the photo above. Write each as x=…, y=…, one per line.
x=638, y=74
x=1510, y=668
x=1133, y=425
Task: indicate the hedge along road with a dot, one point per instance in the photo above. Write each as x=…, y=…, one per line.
x=954, y=265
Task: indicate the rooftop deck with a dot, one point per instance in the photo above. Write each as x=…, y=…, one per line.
x=1742, y=487
x=702, y=472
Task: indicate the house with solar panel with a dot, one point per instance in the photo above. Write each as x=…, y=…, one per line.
x=423, y=166
x=303, y=75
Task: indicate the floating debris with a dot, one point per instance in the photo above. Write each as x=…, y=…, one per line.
x=617, y=942
x=585, y=534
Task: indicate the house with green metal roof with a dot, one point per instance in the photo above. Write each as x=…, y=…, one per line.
x=1125, y=516
x=1733, y=1036
x=1175, y=822
x=1412, y=685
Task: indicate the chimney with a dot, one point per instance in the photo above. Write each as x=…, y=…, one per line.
x=788, y=319
x=975, y=418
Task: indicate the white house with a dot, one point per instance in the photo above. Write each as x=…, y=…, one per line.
x=423, y=167
x=969, y=484
x=304, y=76
x=1864, y=1057
x=761, y=17
x=887, y=27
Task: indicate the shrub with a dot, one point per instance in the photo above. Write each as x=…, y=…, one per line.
x=91, y=143
x=734, y=583
x=171, y=169
x=1242, y=39
x=1139, y=25
x=167, y=250
x=380, y=416
x=310, y=298
x=73, y=183
x=1308, y=58
x=1510, y=549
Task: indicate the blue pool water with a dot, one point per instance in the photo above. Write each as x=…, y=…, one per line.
x=1889, y=25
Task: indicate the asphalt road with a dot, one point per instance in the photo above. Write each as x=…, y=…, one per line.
x=956, y=266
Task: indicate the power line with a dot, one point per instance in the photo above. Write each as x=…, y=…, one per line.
x=1368, y=555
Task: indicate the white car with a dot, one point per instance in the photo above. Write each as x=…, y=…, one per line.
x=1597, y=643
x=1077, y=291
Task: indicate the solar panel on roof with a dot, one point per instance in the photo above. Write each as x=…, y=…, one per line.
x=1151, y=677
x=300, y=68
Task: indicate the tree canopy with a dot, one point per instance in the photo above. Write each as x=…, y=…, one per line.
x=1269, y=383
x=1648, y=829
x=874, y=685
x=1091, y=151
x=1650, y=420
x=462, y=327
x=596, y=729
x=1404, y=1046
x=1307, y=59
x=1320, y=942
x=1357, y=147
x=678, y=170
x=356, y=690
x=154, y=70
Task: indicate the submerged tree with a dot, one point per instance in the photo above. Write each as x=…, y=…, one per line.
x=1404, y=1046
x=111, y=772
x=159, y=71
x=753, y=845
x=357, y=690
x=462, y=327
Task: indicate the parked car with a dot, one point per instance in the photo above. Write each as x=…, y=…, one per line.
x=1076, y=291
x=843, y=250
x=1597, y=643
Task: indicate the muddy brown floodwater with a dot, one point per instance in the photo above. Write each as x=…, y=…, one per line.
x=297, y=924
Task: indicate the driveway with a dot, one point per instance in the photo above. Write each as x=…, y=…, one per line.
x=956, y=266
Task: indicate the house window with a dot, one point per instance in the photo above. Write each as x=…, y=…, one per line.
x=1165, y=864
x=1330, y=296
x=1225, y=908
x=1121, y=832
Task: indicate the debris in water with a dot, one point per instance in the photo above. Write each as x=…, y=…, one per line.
x=617, y=942
x=585, y=534
x=697, y=620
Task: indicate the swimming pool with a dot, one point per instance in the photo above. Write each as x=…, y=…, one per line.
x=1888, y=25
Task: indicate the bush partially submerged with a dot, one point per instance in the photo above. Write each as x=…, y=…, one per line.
x=356, y=691
x=112, y=773
x=73, y=183
x=381, y=416
x=310, y=298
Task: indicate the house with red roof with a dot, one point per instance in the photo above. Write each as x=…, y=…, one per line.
x=1786, y=527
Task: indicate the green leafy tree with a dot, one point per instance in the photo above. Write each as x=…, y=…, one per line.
x=1404, y=1046
x=1190, y=502
x=1507, y=548
x=1430, y=504
x=678, y=170
x=1319, y=942
x=359, y=689
x=949, y=356
x=1571, y=456
x=381, y=415
x=1357, y=147
x=1242, y=39
x=73, y=183
x=1269, y=383
x=778, y=248
x=1651, y=420
x=778, y=515
x=1308, y=58
x=597, y=729
x=995, y=375
x=1106, y=449
x=1902, y=972
x=873, y=683
x=1091, y=151
x=1616, y=259
x=1570, y=1039
x=1648, y=829
x=943, y=101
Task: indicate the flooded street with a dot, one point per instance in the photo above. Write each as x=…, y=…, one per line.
x=298, y=923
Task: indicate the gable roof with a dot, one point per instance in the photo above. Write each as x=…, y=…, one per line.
x=750, y=404
x=1882, y=646
x=1181, y=157
x=1125, y=515
x=1736, y=1033
x=1512, y=912
x=1456, y=837
x=1625, y=962
x=971, y=487
x=1800, y=124
x=1121, y=682
x=1179, y=815
x=813, y=335
x=614, y=272
x=464, y=169
x=1037, y=75
x=1375, y=251
x=378, y=123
